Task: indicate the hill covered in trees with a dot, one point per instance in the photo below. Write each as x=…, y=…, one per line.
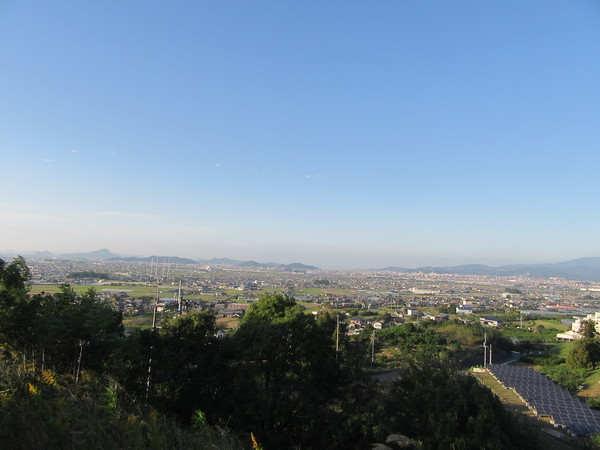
x=70, y=377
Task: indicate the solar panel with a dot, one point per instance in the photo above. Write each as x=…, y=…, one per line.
x=546, y=398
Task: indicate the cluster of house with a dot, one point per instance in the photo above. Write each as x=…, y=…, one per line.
x=483, y=320
x=356, y=324
x=231, y=309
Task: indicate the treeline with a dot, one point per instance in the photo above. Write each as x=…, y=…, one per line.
x=70, y=377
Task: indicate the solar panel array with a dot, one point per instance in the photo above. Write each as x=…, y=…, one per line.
x=547, y=399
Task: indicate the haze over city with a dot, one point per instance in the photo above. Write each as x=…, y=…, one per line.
x=338, y=134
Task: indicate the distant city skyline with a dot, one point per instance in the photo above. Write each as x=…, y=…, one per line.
x=340, y=135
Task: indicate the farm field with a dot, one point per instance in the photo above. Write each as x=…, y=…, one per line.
x=131, y=290
x=550, y=324
x=325, y=291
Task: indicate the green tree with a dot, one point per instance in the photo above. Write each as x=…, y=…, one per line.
x=287, y=375
x=18, y=312
x=588, y=329
x=569, y=378
x=445, y=409
x=63, y=331
x=585, y=354
x=188, y=370
x=14, y=277
x=77, y=330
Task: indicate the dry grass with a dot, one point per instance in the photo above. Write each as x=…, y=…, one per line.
x=228, y=322
x=512, y=402
x=508, y=397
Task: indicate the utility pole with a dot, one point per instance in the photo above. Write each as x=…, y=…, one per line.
x=148, y=379
x=490, y=354
x=521, y=315
x=155, y=308
x=179, y=306
x=485, y=350
x=373, y=346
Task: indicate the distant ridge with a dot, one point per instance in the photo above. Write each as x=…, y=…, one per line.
x=107, y=255
x=294, y=267
x=582, y=269
x=43, y=254
x=220, y=261
x=157, y=259
x=97, y=255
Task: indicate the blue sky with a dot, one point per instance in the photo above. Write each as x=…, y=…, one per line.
x=344, y=134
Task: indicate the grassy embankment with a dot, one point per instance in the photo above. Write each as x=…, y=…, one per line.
x=513, y=403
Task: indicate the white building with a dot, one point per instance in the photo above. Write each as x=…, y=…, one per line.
x=574, y=333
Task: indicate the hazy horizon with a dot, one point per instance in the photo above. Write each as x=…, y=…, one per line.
x=340, y=135
x=449, y=263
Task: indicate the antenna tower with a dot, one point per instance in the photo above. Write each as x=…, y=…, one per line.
x=179, y=305
x=148, y=379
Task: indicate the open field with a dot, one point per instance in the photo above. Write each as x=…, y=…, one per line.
x=550, y=324
x=325, y=291
x=228, y=322
x=592, y=383
x=138, y=290
x=144, y=321
x=131, y=290
x=55, y=288
x=310, y=307
x=562, y=348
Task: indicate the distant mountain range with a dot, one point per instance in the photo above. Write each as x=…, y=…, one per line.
x=582, y=269
x=294, y=267
x=107, y=255
x=159, y=259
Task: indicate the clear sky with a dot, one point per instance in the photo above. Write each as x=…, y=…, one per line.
x=344, y=134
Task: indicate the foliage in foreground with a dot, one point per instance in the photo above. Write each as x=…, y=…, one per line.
x=70, y=378
x=45, y=410
x=442, y=408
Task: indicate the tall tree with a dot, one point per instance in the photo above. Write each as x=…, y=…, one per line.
x=585, y=353
x=14, y=277
x=17, y=311
x=188, y=371
x=287, y=374
x=78, y=329
x=588, y=329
